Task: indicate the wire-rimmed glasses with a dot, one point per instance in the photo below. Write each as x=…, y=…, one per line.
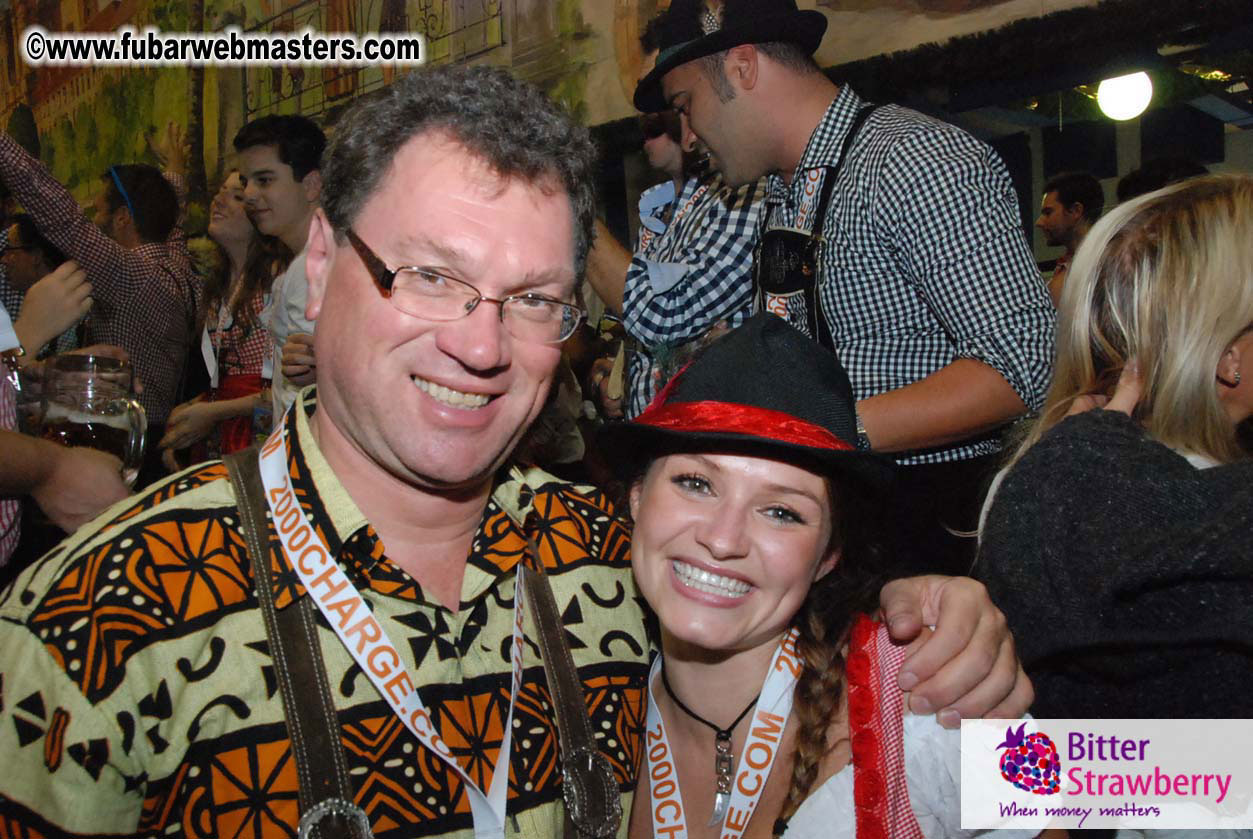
x=425, y=294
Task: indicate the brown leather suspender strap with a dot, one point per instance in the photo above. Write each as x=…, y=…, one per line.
x=590, y=788
x=592, y=797
x=325, y=791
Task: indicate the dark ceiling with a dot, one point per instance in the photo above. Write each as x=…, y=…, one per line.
x=1043, y=71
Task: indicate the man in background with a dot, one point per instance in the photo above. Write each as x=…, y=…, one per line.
x=144, y=288
x=280, y=159
x=1072, y=203
x=690, y=269
x=28, y=257
x=890, y=237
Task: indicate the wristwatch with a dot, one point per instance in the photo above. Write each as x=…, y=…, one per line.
x=863, y=439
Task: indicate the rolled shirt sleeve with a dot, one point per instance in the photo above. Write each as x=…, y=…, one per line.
x=697, y=274
x=959, y=239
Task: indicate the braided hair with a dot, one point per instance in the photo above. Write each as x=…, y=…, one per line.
x=823, y=623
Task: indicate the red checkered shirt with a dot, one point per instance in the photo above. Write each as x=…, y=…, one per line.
x=145, y=297
x=241, y=348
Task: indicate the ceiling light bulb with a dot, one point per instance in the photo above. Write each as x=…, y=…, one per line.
x=1125, y=97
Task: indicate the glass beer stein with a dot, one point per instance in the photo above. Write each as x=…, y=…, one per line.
x=87, y=400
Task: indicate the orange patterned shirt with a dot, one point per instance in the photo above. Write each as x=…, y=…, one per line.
x=137, y=695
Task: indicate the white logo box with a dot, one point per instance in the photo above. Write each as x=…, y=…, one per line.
x=1142, y=774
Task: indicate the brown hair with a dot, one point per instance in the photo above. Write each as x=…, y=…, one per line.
x=265, y=259
x=824, y=622
x=825, y=618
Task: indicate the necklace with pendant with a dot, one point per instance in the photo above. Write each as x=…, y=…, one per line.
x=724, y=761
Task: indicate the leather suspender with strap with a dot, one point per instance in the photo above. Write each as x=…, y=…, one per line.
x=326, y=808
x=590, y=789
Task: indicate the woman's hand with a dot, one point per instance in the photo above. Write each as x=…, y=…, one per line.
x=189, y=423
x=1128, y=391
x=1126, y=396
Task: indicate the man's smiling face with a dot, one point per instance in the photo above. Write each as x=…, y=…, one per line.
x=441, y=404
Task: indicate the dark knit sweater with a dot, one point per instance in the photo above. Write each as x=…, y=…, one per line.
x=1126, y=574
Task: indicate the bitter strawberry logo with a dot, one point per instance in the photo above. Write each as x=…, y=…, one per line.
x=1030, y=763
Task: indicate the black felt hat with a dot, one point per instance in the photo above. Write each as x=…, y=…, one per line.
x=696, y=28
x=763, y=389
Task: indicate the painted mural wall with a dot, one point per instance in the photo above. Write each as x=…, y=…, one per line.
x=584, y=52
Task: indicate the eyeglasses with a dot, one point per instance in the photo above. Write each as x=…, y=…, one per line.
x=426, y=294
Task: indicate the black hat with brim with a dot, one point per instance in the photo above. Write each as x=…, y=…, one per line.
x=689, y=33
x=762, y=390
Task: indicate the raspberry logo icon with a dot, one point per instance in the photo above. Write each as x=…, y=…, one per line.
x=1030, y=763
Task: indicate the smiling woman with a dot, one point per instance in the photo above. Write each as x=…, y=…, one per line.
x=755, y=546
x=233, y=339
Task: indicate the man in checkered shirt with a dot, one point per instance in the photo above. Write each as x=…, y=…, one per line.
x=690, y=269
x=924, y=280
x=144, y=289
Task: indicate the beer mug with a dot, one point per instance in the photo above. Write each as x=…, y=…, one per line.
x=87, y=401
x=28, y=402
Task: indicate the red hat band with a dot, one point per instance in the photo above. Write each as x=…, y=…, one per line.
x=734, y=418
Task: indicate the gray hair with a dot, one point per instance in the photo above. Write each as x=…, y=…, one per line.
x=507, y=123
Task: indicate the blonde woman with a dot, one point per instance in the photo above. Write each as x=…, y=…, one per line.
x=1117, y=543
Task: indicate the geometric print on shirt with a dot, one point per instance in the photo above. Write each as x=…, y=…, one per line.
x=137, y=694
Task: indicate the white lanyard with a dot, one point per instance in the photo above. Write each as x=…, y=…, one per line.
x=8, y=335
x=210, y=348
x=809, y=195
x=810, y=189
x=267, y=365
x=273, y=299
x=753, y=767
x=367, y=642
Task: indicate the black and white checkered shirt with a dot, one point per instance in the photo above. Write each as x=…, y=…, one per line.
x=690, y=276
x=924, y=259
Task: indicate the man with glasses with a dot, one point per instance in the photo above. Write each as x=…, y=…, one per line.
x=690, y=269
x=144, y=288
x=140, y=684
